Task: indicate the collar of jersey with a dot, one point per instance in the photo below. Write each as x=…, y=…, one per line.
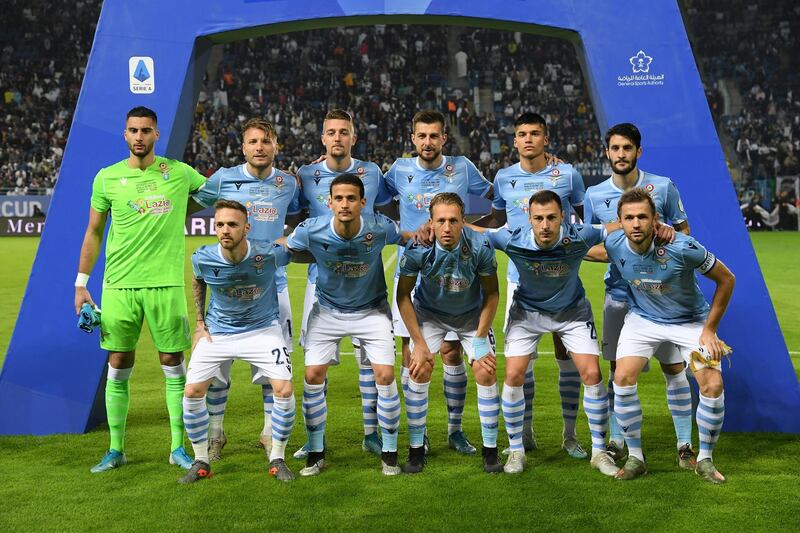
x=537, y=247
x=647, y=252
x=337, y=236
x=637, y=184
x=248, y=175
x=349, y=169
x=416, y=163
x=456, y=248
x=222, y=257
x=545, y=170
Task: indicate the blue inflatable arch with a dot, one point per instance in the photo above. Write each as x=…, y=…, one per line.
x=639, y=66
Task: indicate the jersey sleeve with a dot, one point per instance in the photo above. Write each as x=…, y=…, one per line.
x=298, y=240
x=409, y=263
x=294, y=204
x=696, y=256
x=389, y=180
x=384, y=196
x=390, y=227
x=196, y=180
x=498, y=202
x=209, y=193
x=578, y=192
x=592, y=233
x=100, y=201
x=588, y=209
x=282, y=256
x=196, y=265
x=499, y=238
x=487, y=262
x=673, y=208
x=478, y=185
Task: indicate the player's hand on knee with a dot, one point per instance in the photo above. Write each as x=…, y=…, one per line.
x=200, y=332
x=421, y=361
x=665, y=233
x=82, y=296
x=488, y=363
x=714, y=345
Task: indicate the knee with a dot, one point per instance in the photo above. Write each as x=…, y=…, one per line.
x=515, y=376
x=195, y=390
x=591, y=376
x=711, y=383
x=281, y=389
x=171, y=359
x=315, y=375
x=482, y=377
x=451, y=353
x=384, y=374
x=625, y=377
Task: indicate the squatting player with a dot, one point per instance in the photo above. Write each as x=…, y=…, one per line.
x=415, y=181
x=351, y=301
x=457, y=293
x=146, y=196
x=338, y=137
x=551, y=299
x=513, y=187
x=623, y=149
x=272, y=199
x=241, y=323
x=666, y=306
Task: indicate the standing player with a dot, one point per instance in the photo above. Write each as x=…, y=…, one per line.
x=241, y=323
x=415, y=181
x=338, y=137
x=550, y=299
x=623, y=148
x=146, y=197
x=513, y=187
x=666, y=306
x=272, y=199
x=457, y=293
x=351, y=301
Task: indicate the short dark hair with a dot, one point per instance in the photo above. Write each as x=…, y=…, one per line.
x=142, y=112
x=446, y=198
x=544, y=197
x=428, y=116
x=338, y=114
x=260, y=124
x=348, y=178
x=635, y=196
x=627, y=130
x=531, y=118
x=230, y=204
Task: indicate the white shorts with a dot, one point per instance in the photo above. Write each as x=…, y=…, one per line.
x=614, y=313
x=436, y=328
x=263, y=348
x=400, y=329
x=327, y=327
x=641, y=337
x=285, y=318
x=575, y=327
x=308, y=302
x=510, y=288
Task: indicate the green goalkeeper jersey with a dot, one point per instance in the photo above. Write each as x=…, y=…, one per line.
x=145, y=246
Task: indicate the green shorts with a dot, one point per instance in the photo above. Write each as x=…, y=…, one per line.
x=163, y=307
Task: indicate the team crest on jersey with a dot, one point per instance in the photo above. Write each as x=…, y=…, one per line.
x=360, y=170
x=555, y=175
x=258, y=263
x=164, y=170
x=279, y=182
x=661, y=252
x=566, y=241
x=464, y=251
x=649, y=187
x=449, y=170
x=368, y=240
x=555, y=172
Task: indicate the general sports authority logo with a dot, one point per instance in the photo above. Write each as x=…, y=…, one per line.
x=641, y=72
x=641, y=62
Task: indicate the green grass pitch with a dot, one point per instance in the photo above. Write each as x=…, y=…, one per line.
x=46, y=484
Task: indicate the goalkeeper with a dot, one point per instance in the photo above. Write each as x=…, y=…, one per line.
x=666, y=305
x=146, y=197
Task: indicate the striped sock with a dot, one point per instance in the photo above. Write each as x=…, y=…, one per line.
x=595, y=405
x=175, y=378
x=195, y=418
x=455, y=394
x=710, y=414
x=628, y=410
x=217, y=399
x=369, y=396
x=416, y=411
x=679, y=401
x=529, y=390
x=389, y=414
x=513, y=413
x=315, y=413
x=488, y=412
x=404, y=377
x=614, y=431
x=283, y=414
x=269, y=403
x=117, y=402
x=569, y=386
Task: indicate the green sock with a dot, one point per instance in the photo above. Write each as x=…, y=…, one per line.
x=175, y=388
x=117, y=401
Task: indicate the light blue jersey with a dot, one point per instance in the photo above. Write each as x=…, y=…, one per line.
x=514, y=186
x=350, y=271
x=661, y=284
x=600, y=207
x=243, y=295
x=449, y=281
x=316, y=181
x=548, y=277
x=267, y=200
